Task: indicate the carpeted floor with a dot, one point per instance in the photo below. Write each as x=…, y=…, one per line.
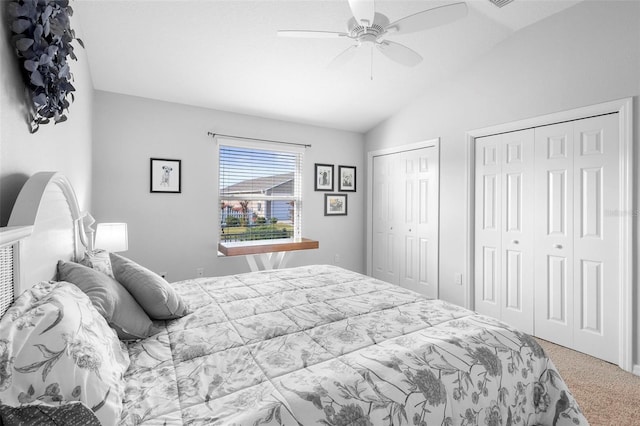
x=606, y=394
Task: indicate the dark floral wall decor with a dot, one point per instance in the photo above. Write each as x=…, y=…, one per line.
x=42, y=36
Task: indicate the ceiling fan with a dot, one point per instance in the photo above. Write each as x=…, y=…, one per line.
x=368, y=27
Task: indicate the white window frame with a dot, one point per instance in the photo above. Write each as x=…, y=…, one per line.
x=269, y=146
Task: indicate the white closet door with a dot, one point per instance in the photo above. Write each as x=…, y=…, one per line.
x=577, y=252
x=504, y=228
x=517, y=273
x=596, y=235
x=554, y=232
x=488, y=226
x=385, y=212
x=418, y=230
x=405, y=219
x=406, y=189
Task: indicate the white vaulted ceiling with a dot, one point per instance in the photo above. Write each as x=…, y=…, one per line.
x=225, y=55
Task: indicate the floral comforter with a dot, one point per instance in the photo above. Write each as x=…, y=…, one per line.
x=321, y=345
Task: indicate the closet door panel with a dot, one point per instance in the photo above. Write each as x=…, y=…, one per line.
x=513, y=201
x=556, y=202
x=557, y=300
x=490, y=197
x=428, y=265
x=596, y=237
x=553, y=255
x=514, y=278
x=490, y=280
x=591, y=309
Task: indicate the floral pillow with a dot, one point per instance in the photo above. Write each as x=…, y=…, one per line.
x=56, y=349
x=98, y=260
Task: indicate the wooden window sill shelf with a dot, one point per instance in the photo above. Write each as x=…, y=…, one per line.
x=243, y=248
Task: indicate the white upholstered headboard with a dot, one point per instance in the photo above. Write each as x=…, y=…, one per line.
x=48, y=208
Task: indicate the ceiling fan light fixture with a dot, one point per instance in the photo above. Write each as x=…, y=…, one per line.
x=377, y=28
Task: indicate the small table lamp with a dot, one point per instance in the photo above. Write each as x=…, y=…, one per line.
x=112, y=237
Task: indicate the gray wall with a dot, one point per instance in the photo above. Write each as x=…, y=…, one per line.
x=587, y=54
x=65, y=147
x=177, y=233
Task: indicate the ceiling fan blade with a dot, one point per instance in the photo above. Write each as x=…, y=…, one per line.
x=345, y=56
x=363, y=10
x=427, y=19
x=399, y=53
x=310, y=34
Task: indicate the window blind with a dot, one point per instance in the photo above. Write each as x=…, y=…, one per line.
x=260, y=192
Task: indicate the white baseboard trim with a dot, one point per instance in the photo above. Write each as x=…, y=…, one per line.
x=636, y=369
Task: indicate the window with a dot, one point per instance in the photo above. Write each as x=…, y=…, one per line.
x=260, y=191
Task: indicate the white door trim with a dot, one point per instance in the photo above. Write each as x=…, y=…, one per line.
x=393, y=150
x=624, y=108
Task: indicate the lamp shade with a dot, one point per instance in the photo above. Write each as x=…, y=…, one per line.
x=112, y=237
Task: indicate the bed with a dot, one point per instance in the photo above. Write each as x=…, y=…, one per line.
x=300, y=346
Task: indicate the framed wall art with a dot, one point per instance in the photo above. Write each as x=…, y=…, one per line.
x=346, y=179
x=323, y=177
x=335, y=204
x=166, y=175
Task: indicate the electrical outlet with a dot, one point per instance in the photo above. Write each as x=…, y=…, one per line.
x=163, y=275
x=336, y=259
x=458, y=278
x=200, y=272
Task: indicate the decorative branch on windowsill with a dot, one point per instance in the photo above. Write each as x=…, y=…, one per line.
x=42, y=37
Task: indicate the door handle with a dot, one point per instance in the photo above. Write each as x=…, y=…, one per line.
x=515, y=242
x=558, y=246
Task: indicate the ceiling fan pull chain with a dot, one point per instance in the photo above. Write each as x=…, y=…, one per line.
x=372, y=62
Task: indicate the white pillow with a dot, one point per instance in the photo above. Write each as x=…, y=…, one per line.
x=56, y=348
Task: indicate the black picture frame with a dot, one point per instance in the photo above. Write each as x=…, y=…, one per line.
x=323, y=176
x=335, y=204
x=165, y=176
x=346, y=178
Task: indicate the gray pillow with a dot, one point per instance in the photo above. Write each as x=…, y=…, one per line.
x=156, y=296
x=111, y=299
